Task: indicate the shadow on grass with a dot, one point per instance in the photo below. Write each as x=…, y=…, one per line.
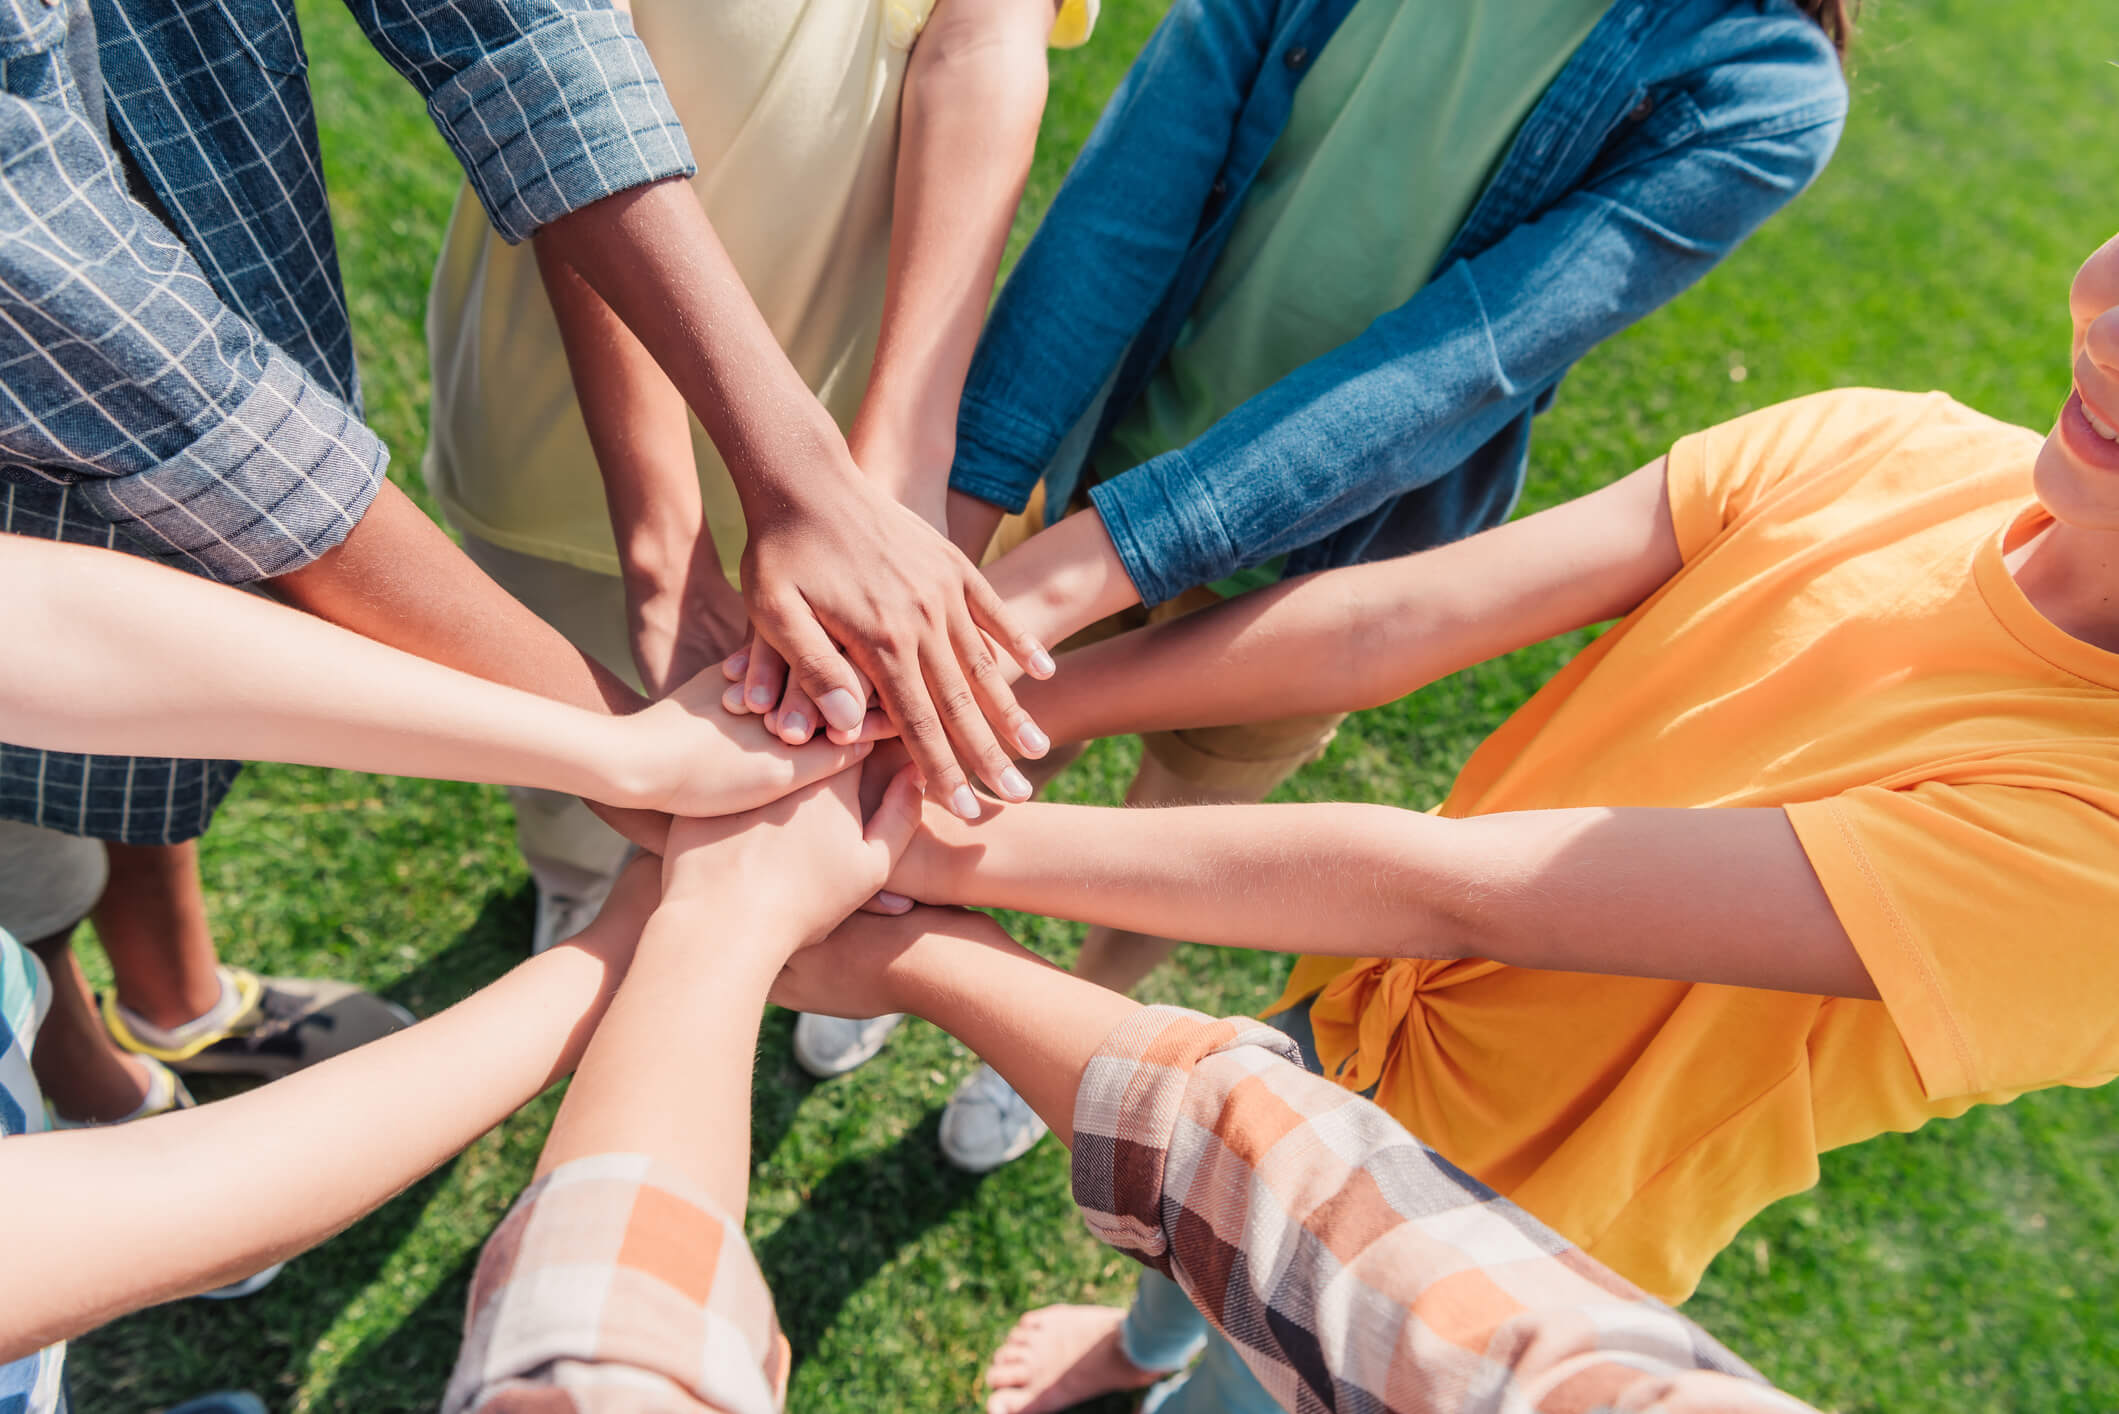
x=862, y=1215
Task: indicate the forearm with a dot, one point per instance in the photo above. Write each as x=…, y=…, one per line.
x=1724, y=896
x=399, y=580
x=638, y=428
x=1352, y=638
x=1288, y=878
x=172, y=1205
x=219, y=673
x=671, y=1075
x=963, y=973
x=974, y=94
x=1064, y=578
x=653, y=258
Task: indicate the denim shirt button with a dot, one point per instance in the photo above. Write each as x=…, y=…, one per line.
x=1297, y=57
x=1221, y=186
x=1642, y=109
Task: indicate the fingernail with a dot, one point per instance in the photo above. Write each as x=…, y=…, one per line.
x=840, y=709
x=1032, y=740
x=964, y=803
x=737, y=665
x=1014, y=784
x=1041, y=664
x=733, y=698
x=795, y=727
x=760, y=697
x=897, y=901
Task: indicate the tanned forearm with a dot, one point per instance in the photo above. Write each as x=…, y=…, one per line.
x=974, y=94
x=1353, y=638
x=399, y=580
x=653, y=258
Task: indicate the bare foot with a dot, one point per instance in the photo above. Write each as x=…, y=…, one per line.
x=1058, y=1356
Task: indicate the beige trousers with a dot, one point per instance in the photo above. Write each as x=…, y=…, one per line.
x=568, y=849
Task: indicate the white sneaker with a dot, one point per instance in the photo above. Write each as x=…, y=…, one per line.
x=986, y=1124
x=561, y=916
x=832, y=1045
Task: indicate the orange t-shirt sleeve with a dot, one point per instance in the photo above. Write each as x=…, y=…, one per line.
x=1721, y=476
x=1984, y=914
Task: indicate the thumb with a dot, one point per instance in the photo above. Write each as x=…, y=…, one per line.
x=896, y=818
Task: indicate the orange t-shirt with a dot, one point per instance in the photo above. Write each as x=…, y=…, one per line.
x=1843, y=640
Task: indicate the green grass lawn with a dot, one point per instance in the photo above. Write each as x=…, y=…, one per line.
x=1970, y=1266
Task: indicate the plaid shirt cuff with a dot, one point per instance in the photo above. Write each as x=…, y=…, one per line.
x=615, y=1279
x=270, y=488
x=569, y=114
x=1129, y=1108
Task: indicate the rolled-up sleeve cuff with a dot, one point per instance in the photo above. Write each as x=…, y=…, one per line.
x=282, y=480
x=1163, y=523
x=569, y=114
x=992, y=462
x=1133, y=1093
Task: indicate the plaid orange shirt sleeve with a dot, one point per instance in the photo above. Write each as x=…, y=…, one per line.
x=615, y=1286
x=1352, y=1266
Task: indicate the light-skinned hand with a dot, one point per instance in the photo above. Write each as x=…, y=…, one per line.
x=858, y=971
x=867, y=586
x=803, y=862
x=693, y=759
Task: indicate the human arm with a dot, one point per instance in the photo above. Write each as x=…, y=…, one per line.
x=1427, y=386
x=566, y=136
x=175, y=1204
x=647, y=1169
x=1706, y=895
x=212, y=672
x=974, y=93
x=1107, y=252
x=682, y=615
x=1346, y=639
x=1193, y=1137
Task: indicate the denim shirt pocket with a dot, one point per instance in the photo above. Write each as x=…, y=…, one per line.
x=30, y=26
x=266, y=30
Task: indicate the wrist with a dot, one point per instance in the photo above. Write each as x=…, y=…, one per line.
x=741, y=946
x=615, y=762
x=1065, y=577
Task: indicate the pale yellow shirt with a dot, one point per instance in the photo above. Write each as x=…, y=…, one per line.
x=792, y=111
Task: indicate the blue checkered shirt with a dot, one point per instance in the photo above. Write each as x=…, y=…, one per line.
x=187, y=390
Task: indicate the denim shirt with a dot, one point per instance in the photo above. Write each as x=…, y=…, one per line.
x=1669, y=136
x=176, y=362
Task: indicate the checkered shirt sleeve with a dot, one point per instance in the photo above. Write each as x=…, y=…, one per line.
x=549, y=104
x=123, y=374
x=1350, y=1265
x=613, y=1286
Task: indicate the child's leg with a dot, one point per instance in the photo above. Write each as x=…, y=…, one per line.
x=48, y=884
x=1219, y=1384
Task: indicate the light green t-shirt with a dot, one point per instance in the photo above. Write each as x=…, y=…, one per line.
x=1392, y=137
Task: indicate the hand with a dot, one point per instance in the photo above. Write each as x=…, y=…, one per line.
x=678, y=631
x=861, y=968
x=913, y=615
x=694, y=760
x=805, y=861
x=941, y=856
